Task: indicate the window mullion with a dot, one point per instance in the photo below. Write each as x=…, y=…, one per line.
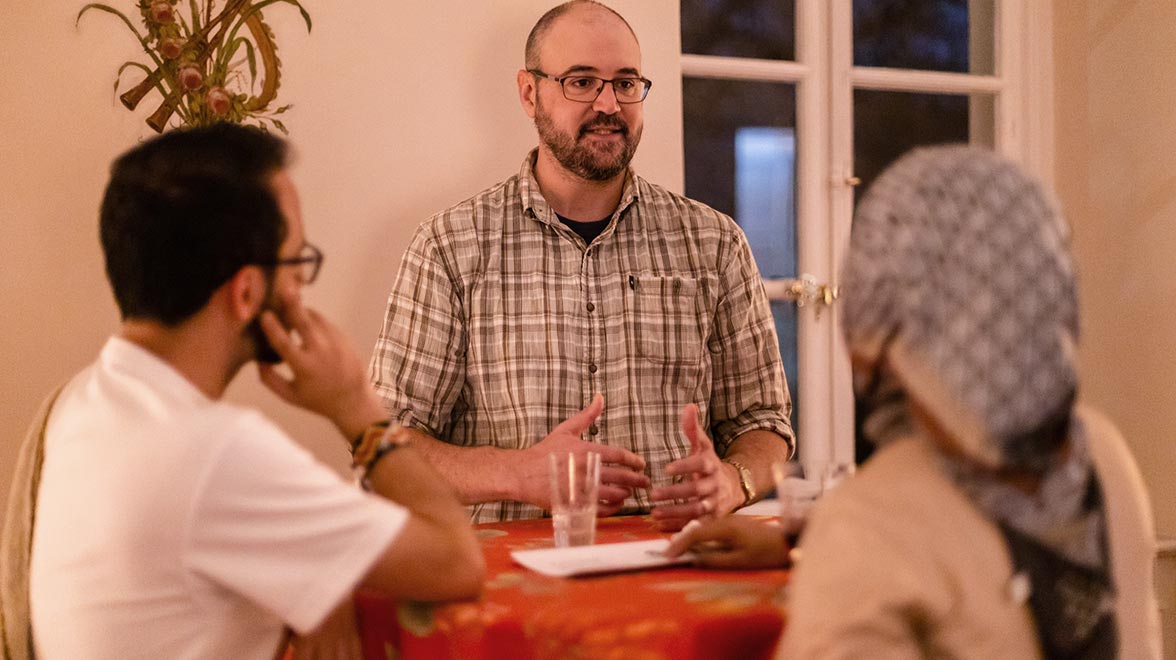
x=934, y=82
x=1009, y=125
x=814, y=335
x=830, y=25
x=742, y=68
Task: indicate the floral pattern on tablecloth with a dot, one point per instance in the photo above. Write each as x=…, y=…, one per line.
x=678, y=613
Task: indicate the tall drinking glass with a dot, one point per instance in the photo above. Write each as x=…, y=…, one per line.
x=575, y=485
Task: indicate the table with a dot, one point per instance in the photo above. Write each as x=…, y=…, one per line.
x=679, y=612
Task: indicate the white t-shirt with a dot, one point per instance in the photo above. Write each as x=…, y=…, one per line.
x=169, y=525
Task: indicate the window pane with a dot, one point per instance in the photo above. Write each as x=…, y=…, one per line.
x=762, y=29
x=888, y=124
x=932, y=35
x=740, y=145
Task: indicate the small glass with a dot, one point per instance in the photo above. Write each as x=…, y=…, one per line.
x=796, y=496
x=834, y=474
x=575, y=486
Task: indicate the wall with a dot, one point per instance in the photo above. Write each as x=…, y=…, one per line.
x=1115, y=149
x=401, y=109
x=1116, y=144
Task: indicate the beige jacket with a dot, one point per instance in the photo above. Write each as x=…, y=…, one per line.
x=898, y=563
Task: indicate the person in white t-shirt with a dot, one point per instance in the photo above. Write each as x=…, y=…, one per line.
x=171, y=524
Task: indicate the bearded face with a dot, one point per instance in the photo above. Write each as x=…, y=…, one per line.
x=598, y=149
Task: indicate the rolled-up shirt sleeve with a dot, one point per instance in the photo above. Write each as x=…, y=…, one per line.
x=418, y=363
x=749, y=389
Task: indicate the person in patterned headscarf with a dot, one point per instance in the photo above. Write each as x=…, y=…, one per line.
x=997, y=518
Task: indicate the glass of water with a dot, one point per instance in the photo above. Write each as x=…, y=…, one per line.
x=575, y=485
x=796, y=496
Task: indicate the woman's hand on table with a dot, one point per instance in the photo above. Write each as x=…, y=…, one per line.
x=621, y=471
x=736, y=542
x=711, y=487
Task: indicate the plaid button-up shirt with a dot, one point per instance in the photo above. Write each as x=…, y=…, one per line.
x=502, y=323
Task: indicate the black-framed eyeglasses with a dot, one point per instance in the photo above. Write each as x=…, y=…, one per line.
x=309, y=262
x=585, y=89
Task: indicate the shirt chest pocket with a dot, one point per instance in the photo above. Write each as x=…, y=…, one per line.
x=668, y=318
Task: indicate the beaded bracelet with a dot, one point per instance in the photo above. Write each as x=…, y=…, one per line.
x=376, y=429
x=378, y=441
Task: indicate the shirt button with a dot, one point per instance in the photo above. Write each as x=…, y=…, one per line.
x=592, y=368
x=592, y=430
x=591, y=307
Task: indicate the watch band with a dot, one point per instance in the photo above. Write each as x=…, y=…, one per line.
x=745, y=481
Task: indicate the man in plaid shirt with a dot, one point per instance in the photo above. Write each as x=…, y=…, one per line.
x=578, y=307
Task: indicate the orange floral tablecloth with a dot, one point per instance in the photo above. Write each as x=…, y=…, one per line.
x=674, y=613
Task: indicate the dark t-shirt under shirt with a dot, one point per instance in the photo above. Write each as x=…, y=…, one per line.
x=587, y=230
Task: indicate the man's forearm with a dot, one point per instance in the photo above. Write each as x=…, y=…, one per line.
x=476, y=474
x=757, y=450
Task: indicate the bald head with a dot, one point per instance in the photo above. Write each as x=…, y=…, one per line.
x=546, y=21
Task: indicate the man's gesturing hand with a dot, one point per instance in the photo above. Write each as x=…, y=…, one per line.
x=620, y=472
x=710, y=487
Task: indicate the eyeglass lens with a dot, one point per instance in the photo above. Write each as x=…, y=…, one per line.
x=587, y=88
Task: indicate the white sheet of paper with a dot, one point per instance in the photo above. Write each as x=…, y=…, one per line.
x=602, y=558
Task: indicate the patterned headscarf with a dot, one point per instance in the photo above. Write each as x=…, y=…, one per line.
x=959, y=294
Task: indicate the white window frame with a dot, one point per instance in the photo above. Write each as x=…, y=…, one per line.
x=825, y=80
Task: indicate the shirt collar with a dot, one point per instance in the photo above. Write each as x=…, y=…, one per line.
x=534, y=202
x=122, y=356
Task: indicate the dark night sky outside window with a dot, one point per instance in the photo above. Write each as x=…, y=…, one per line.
x=739, y=28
